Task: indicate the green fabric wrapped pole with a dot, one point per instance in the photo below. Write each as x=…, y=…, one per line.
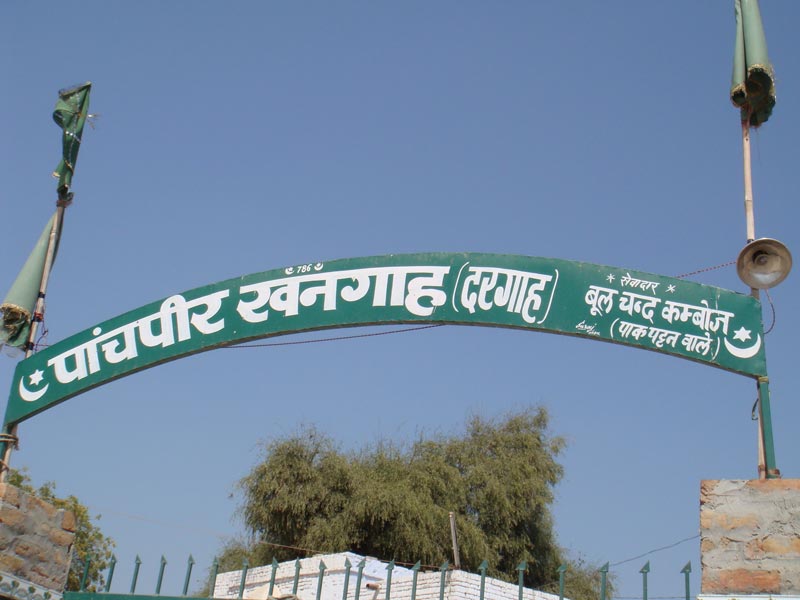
x=70, y=114
x=753, y=81
x=20, y=303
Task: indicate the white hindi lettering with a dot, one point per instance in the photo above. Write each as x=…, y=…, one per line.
x=600, y=299
x=410, y=287
x=707, y=319
x=664, y=337
x=636, y=303
x=519, y=291
x=695, y=343
x=83, y=360
x=642, y=284
x=633, y=330
x=660, y=337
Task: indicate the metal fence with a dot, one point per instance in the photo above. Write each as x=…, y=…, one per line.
x=82, y=594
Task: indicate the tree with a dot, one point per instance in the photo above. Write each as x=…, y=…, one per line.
x=89, y=540
x=393, y=502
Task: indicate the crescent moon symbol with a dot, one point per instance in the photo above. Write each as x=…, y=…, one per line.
x=743, y=352
x=28, y=395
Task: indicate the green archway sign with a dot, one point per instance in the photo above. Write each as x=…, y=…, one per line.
x=701, y=323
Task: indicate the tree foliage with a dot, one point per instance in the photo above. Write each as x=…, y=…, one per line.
x=89, y=539
x=394, y=502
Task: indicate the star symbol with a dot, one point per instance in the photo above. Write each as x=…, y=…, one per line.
x=671, y=289
x=36, y=377
x=741, y=334
x=610, y=278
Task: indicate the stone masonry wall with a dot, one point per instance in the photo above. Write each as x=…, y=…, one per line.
x=35, y=539
x=750, y=536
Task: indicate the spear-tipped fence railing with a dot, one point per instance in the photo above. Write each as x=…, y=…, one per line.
x=561, y=578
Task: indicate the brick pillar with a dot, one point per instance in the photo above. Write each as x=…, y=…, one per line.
x=750, y=536
x=35, y=543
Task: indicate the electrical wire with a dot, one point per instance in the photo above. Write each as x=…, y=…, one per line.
x=774, y=315
x=332, y=339
x=653, y=551
x=714, y=268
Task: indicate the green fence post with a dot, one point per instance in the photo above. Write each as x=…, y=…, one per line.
x=443, y=569
x=415, y=570
x=213, y=579
x=136, y=565
x=358, y=579
x=561, y=570
x=245, y=565
x=189, y=566
x=296, y=576
x=347, y=566
x=521, y=570
x=686, y=570
x=110, y=575
x=765, y=423
x=161, y=568
x=389, y=569
x=603, y=578
x=322, y=568
x=644, y=571
x=272, y=576
x=482, y=568
x=87, y=561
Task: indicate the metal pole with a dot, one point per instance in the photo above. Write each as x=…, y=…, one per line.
x=765, y=423
x=766, y=450
x=748, y=181
x=38, y=312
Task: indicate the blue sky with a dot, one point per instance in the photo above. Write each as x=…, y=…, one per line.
x=240, y=137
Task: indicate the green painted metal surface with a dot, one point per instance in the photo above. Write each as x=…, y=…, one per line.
x=415, y=570
x=693, y=321
x=561, y=570
x=137, y=564
x=212, y=579
x=245, y=566
x=603, y=581
x=389, y=569
x=347, y=566
x=187, y=578
x=644, y=571
x=162, y=565
x=360, y=574
x=687, y=570
x=443, y=578
x=110, y=576
x=272, y=576
x=322, y=567
x=296, y=580
x=482, y=568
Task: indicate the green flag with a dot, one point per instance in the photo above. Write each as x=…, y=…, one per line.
x=753, y=81
x=70, y=114
x=16, y=311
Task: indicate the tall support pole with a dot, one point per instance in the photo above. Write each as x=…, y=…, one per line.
x=766, y=450
x=748, y=182
x=38, y=313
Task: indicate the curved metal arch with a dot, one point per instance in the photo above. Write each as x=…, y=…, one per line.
x=685, y=319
